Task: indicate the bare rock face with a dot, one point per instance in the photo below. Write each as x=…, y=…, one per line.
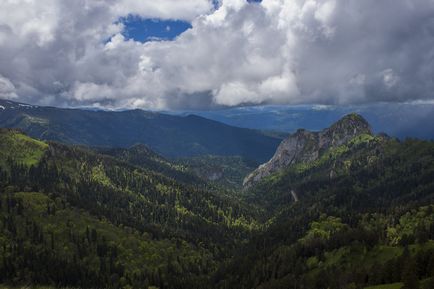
x=305, y=146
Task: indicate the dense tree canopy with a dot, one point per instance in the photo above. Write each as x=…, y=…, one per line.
x=80, y=217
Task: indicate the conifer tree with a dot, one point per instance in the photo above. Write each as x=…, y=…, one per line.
x=409, y=276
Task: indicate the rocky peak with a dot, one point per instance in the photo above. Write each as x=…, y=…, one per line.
x=345, y=129
x=350, y=124
x=307, y=146
x=141, y=148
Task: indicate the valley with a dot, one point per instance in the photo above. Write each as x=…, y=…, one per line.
x=339, y=208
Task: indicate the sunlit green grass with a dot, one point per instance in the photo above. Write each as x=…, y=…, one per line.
x=21, y=148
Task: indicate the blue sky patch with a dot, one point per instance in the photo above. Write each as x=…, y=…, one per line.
x=144, y=30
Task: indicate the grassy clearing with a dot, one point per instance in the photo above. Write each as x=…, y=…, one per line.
x=21, y=148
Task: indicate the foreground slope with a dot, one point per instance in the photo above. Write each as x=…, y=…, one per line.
x=73, y=217
x=172, y=136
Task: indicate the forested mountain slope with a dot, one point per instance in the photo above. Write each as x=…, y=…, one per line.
x=363, y=216
x=73, y=217
x=170, y=135
x=225, y=171
x=142, y=156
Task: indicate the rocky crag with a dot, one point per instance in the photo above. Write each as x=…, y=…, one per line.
x=305, y=146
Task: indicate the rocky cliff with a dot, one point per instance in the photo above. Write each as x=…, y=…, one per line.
x=307, y=146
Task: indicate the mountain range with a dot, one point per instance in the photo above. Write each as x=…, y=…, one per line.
x=170, y=135
x=400, y=120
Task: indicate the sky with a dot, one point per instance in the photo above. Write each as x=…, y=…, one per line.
x=145, y=29
x=203, y=54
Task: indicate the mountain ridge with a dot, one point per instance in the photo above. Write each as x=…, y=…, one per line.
x=169, y=135
x=307, y=146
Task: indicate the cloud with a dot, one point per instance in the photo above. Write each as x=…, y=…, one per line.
x=164, y=9
x=7, y=89
x=390, y=79
x=277, y=51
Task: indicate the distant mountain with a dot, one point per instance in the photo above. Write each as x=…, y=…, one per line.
x=396, y=119
x=172, y=136
x=306, y=146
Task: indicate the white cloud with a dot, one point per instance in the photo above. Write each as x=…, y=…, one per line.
x=277, y=51
x=7, y=89
x=233, y=93
x=166, y=9
x=390, y=79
